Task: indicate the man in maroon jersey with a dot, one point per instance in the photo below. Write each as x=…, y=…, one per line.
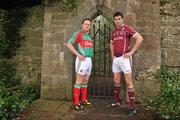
x=121, y=55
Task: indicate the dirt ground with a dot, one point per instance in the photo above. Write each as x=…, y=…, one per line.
x=63, y=110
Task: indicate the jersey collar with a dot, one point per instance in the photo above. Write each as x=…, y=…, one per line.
x=122, y=26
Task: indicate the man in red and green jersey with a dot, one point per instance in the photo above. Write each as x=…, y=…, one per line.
x=83, y=63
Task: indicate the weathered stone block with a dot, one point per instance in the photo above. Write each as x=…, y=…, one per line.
x=59, y=22
x=171, y=56
x=50, y=92
x=154, y=17
x=47, y=22
x=145, y=30
x=172, y=23
x=36, y=42
x=57, y=38
x=52, y=47
x=46, y=37
x=150, y=42
x=59, y=16
x=144, y=23
x=174, y=30
x=122, y=6
x=129, y=19
x=52, y=68
x=57, y=29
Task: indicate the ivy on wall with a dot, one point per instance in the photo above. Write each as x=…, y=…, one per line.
x=10, y=40
x=67, y=6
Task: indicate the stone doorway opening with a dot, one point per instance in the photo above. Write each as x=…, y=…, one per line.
x=100, y=83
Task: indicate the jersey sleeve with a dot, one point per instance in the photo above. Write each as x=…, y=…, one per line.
x=130, y=31
x=75, y=38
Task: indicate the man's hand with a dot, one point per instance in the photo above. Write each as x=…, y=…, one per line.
x=81, y=57
x=127, y=55
x=112, y=56
x=73, y=50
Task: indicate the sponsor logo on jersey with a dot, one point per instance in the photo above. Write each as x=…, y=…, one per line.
x=118, y=38
x=86, y=43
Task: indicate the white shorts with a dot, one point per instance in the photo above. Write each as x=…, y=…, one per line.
x=83, y=67
x=122, y=64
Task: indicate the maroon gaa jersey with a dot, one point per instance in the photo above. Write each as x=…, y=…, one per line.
x=121, y=39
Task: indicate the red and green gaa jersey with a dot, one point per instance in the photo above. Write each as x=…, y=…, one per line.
x=84, y=43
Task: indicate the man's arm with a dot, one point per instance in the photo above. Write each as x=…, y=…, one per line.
x=138, y=42
x=74, y=51
x=112, y=49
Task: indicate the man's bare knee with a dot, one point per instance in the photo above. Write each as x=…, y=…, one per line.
x=84, y=81
x=117, y=78
x=129, y=84
x=79, y=78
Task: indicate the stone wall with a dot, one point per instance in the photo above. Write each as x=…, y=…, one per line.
x=54, y=76
x=29, y=54
x=170, y=35
x=148, y=58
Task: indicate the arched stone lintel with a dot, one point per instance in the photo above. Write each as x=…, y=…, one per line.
x=95, y=12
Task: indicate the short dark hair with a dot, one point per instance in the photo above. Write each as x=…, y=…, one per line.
x=118, y=14
x=85, y=20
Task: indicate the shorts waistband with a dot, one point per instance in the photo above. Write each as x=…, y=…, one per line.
x=118, y=55
x=121, y=54
x=89, y=56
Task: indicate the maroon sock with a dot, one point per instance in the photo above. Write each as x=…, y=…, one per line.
x=117, y=93
x=131, y=95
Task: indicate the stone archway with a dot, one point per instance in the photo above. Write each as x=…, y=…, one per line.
x=57, y=62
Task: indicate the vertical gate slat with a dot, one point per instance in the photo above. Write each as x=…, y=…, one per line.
x=94, y=70
x=109, y=38
x=99, y=49
x=104, y=43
